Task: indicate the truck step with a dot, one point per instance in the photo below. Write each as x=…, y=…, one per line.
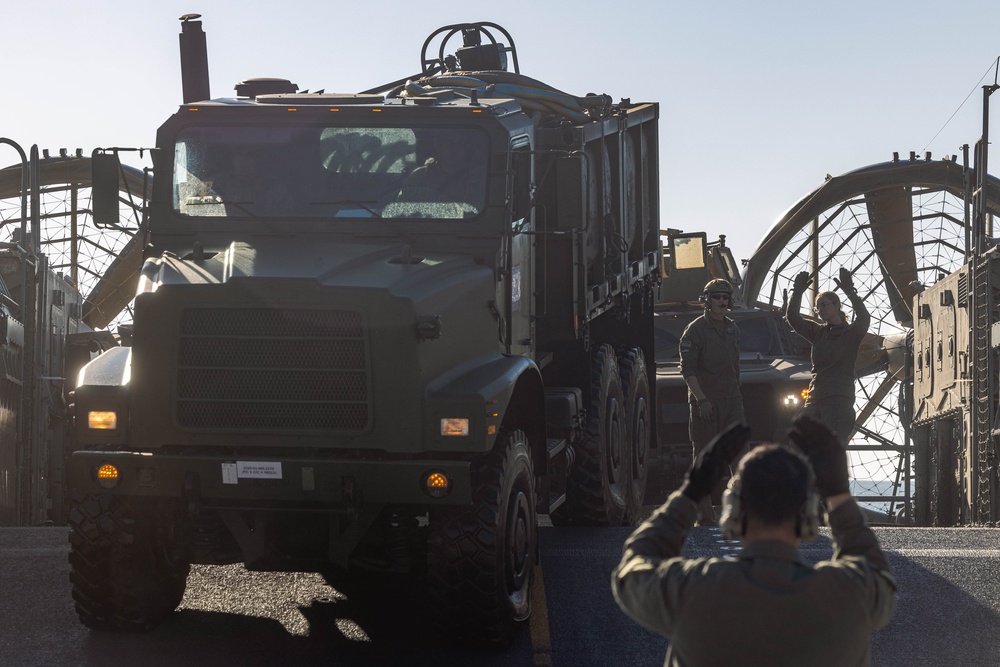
x=555, y=500
x=555, y=446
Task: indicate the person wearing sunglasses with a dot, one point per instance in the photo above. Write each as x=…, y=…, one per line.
x=835, y=343
x=710, y=365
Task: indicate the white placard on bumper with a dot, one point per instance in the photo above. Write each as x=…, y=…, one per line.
x=233, y=472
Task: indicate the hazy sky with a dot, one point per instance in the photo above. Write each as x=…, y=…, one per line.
x=758, y=100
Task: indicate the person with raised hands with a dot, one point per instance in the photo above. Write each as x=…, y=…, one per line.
x=766, y=605
x=835, y=343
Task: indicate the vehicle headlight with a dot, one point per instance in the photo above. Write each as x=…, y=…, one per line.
x=102, y=419
x=455, y=426
x=791, y=401
x=100, y=415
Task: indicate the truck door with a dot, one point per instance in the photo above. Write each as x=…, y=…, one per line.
x=520, y=288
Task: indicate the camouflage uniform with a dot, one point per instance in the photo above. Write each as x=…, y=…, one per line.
x=713, y=357
x=834, y=352
x=764, y=607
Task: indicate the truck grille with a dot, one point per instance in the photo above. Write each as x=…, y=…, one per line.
x=264, y=369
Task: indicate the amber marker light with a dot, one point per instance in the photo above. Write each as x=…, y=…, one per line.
x=454, y=426
x=292, y=109
x=107, y=476
x=437, y=484
x=376, y=111
x=804, y=393
x=102, y=420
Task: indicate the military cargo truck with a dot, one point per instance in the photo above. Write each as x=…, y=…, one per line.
x=377, y=332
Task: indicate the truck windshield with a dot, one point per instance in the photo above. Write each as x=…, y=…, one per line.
x=330, y=172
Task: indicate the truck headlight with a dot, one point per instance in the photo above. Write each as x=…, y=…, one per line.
x=454, y=426
x=102, y=420
x=791, y=401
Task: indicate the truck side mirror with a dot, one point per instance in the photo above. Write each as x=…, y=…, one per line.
x=105, y=168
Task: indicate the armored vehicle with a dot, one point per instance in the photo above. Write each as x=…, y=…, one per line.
x=40, y=337
x=955, y=406
x=377, y=332
x=774, y=362
x=44, y=337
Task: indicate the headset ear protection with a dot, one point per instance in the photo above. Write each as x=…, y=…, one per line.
x=807, y=527
x=733, y=520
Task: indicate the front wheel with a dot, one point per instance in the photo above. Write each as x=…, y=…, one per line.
x=122, y=569
x=481, y=558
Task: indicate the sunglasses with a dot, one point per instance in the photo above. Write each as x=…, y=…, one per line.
x=720, y=296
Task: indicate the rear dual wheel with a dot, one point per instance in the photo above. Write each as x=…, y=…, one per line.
x=638, y=416
x=598, y=489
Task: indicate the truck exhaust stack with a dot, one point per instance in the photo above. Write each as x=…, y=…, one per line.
x=194, y=60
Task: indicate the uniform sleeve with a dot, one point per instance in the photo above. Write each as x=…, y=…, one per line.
x=799, y=324
x=862, y=318
x=857, y=550
x=690, y=351
x=736, y=363
x=648, y=582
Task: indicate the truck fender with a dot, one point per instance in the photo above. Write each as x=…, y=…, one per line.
x=111, y=368
x=102, y=387
x=482, y=390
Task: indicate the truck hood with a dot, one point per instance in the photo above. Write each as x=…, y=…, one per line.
x=754, y=368
x=314, y=340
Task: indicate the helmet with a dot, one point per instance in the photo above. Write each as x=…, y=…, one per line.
x=718, y=285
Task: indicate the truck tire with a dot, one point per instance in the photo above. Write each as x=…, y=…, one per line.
x=481, y=559
x=120, y=571
x=598, y=487
x=635, y=389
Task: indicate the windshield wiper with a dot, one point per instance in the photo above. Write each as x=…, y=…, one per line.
x=240, y=206
x=350, y=202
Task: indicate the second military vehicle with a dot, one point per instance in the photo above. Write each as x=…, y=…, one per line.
x=774, y=362
x=374, y=332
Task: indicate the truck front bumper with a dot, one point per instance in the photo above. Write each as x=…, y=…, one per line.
x=333, y=482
